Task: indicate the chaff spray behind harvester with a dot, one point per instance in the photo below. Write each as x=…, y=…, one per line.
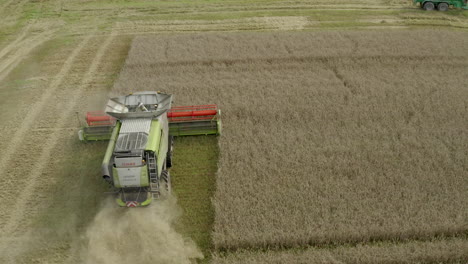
x=140, y=128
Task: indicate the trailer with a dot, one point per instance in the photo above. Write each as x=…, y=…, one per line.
x=441, y=5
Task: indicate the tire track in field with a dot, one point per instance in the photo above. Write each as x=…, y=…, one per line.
x=14, y=43
x=23, y=49
x=8, y=4
x=5, y=6
x=26, y=125
x=21, y=204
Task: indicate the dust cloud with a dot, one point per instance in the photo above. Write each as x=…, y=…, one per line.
x=138, y=235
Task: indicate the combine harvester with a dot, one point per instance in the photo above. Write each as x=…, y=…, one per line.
x=140, y=128
x=441, y=5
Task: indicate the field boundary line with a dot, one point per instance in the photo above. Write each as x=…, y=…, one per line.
x=38, y=107
x=51, y=143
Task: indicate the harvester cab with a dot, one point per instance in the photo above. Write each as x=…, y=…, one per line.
x=140, y=128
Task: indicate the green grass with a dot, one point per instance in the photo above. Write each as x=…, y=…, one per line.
x=193, y=181
x=324, y=15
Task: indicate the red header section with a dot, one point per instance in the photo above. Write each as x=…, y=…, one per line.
x=192, y=113
x=99, y=119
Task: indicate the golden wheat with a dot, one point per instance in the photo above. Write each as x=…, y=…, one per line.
x=437, y=251
x=329, y=137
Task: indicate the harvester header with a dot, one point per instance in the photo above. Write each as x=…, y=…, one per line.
x=194, y=120
x=183, y=120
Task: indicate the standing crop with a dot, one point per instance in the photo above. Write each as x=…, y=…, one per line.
x=328, y=137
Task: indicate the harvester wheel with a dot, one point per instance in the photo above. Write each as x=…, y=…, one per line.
x=442, y=7
x=169, y=152
x=169, y=160
x=166, y=180
x=428, y=6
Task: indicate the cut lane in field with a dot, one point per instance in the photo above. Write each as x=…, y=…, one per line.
x=45, y=99
x=23, y=48
x=21, y=204
x=31, y=195
x=69, y=197
x=8, y=48
x=20, y=213
x=19, y=140
x=17, y=5
x=193, y=179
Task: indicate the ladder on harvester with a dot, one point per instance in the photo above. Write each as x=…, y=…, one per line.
x=153, y=175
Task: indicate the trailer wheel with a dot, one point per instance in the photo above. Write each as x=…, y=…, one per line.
x=428, y=6
x=442, y=7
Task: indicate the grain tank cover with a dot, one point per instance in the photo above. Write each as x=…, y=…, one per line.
x=139, y=105
x=133, y=134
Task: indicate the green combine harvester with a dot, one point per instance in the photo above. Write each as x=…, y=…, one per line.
x=140, y=128
x=441, y=5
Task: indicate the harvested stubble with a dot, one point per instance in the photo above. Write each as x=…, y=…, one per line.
x=444, y=251
x=328, y=137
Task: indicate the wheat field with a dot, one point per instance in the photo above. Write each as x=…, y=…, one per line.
x=329, y=137
x=437, y=251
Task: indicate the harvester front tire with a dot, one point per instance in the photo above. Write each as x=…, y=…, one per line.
x=428, y=6
x=169, y=160
x=442, y=7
